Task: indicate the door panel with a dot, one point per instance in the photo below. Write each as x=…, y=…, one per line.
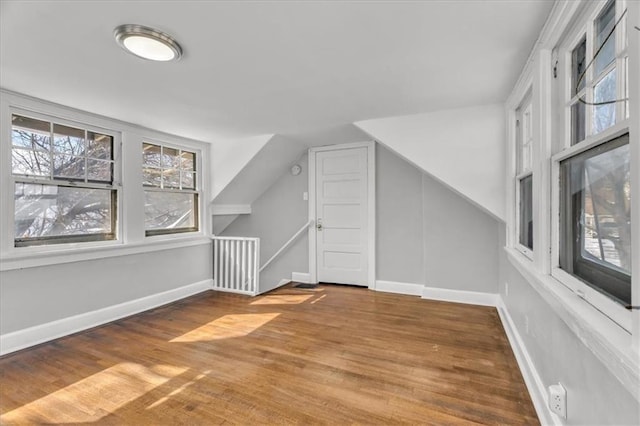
x=341, y=210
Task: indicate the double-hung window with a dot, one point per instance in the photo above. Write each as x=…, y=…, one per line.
x=594, y=169
x=524, y=175
x=63, y=182
x=170, y=180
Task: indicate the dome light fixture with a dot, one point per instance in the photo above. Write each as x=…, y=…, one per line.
x=147, y=43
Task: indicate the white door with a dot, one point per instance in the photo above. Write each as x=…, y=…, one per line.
x=341, y=216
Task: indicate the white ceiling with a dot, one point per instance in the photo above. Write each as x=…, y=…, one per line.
x=269, y=67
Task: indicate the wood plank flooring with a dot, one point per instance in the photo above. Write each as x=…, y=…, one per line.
x=331, y=355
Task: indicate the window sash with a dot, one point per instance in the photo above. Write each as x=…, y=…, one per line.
x=181, y=168
x=53, y=154
x=596, y=274
x=524, y=227
x=71, y=238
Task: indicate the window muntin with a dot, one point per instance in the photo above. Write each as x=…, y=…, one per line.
x=171, y=197
x=63, y=183
x=595, y=221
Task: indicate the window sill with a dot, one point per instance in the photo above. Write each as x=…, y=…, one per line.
x=82, y=252
x=609, y=342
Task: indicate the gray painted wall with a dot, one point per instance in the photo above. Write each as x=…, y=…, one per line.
x=461, y=241
x=275, y=216
x=594, y=395
x=424, y=230
x=399, y=219
x=34, y=296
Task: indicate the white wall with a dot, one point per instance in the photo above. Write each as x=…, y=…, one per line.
x=228, y=157
x=463, y=148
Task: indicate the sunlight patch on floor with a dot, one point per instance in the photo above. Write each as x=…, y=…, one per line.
x=282, y=299
x=226, y=327
x=94, y=397
x=178, y=390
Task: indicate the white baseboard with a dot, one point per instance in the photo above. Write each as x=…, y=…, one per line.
x=399, y=288
x=532, y=379
x=460, y=296
x=301, y=277
x=21, y=339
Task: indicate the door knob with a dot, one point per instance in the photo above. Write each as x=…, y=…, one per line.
x=319, y=225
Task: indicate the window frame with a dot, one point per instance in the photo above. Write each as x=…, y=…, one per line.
x=196, y=191
x=521, y=173
x=127, y=143
x=612, y=309
x=37, y=245
x=565, y=150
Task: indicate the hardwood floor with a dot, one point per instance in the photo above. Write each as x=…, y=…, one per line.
x=332, y=355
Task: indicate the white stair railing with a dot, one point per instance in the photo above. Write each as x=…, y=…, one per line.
x=236, y=260
x=235, y=264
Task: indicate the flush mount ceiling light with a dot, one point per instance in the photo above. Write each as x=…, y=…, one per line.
x=147, y=43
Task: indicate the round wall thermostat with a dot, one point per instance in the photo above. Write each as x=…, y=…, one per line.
x=296, y=169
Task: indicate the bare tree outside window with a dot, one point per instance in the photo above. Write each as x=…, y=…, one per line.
x=56, y=167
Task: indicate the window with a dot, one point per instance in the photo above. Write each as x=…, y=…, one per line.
x=169, y=176
x=594, y=229
x=599, y=65
x=595, y=213
x=63, y=183
x=524, y=175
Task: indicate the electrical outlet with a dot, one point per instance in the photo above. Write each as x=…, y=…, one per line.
x=558, y=400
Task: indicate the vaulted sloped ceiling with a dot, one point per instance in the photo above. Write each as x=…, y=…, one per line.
x=254, y=68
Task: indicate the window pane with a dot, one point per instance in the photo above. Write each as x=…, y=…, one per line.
x=68, y=140
x=595, y=218
x=188, y=160
x=188, y=180
x=30, y=133
x=604, y=25
x=100, y=146
x=66, y=166
x=46, y=211
x=170, y=157
x=151, y=155
x=28, y=162
x=604, y=116
x=607, y=199
x=578, y=126
x=171, y=178
x=170, y=211
x=578, y=63
x=151, y=176
x=99, y=171
x=526, y=212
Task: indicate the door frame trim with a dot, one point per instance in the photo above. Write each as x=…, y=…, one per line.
x=371, y=207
